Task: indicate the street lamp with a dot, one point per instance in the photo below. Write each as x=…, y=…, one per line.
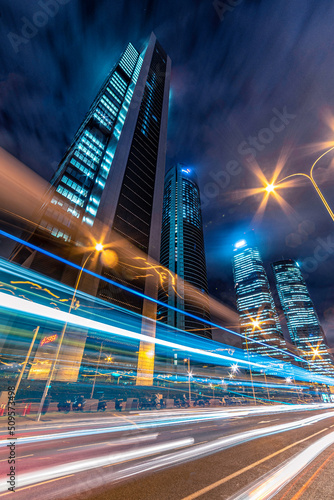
x=266, y=383
x=189, y=376
x=97, y=367
x=235, y=368
x=26, y=360
x=256, y=324
x=98, y=248
x=270, y=188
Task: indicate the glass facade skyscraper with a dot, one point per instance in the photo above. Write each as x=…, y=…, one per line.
x=109, y=185
x=182, y=252
x=259, y=320
x=303, y=323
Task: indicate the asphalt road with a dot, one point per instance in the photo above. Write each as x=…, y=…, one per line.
x=181, y=455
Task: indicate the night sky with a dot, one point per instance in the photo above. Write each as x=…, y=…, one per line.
x=234, y=71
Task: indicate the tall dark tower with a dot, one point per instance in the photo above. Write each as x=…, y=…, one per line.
x=303, y=323
x=109, y=185
x=182, y=252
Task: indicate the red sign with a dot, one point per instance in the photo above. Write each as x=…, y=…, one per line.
x=47, y=340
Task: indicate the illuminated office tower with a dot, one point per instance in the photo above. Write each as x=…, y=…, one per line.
x=182, y=252
x=109, y=185
x=258, y=316
x=303, y=323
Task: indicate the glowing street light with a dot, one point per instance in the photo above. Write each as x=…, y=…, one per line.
x=256, y=323
x=270, y=188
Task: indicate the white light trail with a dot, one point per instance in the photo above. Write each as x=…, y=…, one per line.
x=198, y=451
x=273, y=482
x=32, y=308
x=170, y=420
x=164, y=461
x=93, y=463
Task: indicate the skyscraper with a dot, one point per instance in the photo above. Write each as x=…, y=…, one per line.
x=303, y=323
x=182, y=252
x=258, y=316
x=109, y=185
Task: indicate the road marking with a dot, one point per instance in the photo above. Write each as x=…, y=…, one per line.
x=81, y=446
x=305, y=486
x=37, y=484
x=267, y=421
x=18, y=458
x=245, y=469
x=208, y=426
x=331, y=425
x=127, y=419
x=183, y=430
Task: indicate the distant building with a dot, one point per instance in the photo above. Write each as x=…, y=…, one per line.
x=303, y=323
x=182, y=252
x=258, y=316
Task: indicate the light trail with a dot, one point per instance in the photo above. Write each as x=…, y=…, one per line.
x=96, y=462
x=225, y=479
x=273, y=482
x=135, y=292
x=115, y=442
x=20, y=305
x=167, y=460
x=159, y=420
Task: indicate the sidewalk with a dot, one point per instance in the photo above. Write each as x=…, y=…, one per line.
x=52, y=417
x=55, y=416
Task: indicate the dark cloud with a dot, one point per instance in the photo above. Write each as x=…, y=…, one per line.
x=228, y=77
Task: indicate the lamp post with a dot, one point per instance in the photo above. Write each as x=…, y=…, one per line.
x=250, y=369
x=271, y=187
x=265, y=380
x=189, y=375
x=97, y=367
x=26, y=360
x=98, y=248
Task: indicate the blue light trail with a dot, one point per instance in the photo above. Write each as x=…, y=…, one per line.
x=135, y=292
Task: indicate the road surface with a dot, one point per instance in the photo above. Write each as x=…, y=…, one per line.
x=281, y=452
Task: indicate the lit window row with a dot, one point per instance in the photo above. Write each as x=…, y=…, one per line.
x=113, y=95
x=97, y=148
x=103, y=119
x=82, y=169
x=74, y=185
x=87, y=152
x=70, y=196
